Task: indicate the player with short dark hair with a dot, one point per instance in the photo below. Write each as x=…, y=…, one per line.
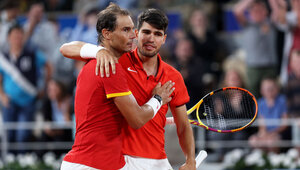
x=144, y=68
x=102, y=104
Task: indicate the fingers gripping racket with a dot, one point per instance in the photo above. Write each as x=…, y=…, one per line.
x=225, y=110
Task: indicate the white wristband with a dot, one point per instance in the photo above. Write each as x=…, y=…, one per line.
x=89, y=50
x=155, y=104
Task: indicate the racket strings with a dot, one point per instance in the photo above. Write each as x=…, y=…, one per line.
x=227, y=110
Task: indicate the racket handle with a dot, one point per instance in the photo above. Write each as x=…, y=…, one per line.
x=200, y=157
x=170, y=121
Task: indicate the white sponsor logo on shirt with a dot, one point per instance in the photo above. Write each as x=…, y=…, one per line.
x=129, y=69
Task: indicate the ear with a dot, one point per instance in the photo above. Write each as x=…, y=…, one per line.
x=165, y=37
x=106, y=34
x=136, y=31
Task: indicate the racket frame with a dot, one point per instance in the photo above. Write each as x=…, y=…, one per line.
x=197, y=106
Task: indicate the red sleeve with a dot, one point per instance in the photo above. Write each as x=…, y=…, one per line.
x=116, y=85
x=180, y=95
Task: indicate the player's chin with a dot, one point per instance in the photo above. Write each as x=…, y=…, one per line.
x=127, y=49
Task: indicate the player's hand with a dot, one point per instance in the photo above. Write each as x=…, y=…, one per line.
x=164, y=91
x=104, y=59
x=188, y=166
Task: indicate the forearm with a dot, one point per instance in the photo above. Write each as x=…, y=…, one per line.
x=186, y=141
x=135, y=115
x=241, y=6
x=72, y=50
x=283, y=126
x=239, y=10
x=142, y=114
x=185, y=133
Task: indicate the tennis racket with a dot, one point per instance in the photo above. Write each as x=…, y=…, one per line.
x=200, y=157
x=225, y=110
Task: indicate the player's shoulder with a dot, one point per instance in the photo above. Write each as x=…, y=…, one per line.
x=170, y=70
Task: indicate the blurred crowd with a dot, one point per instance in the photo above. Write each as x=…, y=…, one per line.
x=254, y=44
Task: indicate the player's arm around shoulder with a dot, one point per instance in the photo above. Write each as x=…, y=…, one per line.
x=78, y=50
x=72, y=50
x=185, y=135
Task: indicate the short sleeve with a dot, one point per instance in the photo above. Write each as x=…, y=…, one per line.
x=180, y=95
x=116, y=85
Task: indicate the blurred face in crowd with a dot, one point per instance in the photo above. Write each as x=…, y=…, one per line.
x=54, y=91
x=91, y=20
x=269, y=89
x=121, y=39
x=36, y=12
x=184, y=50
x=150, y=40
x=258, y=12
x=233, y=79
x=12, y=13
x=295, y=62
x=198, y=19
x=15, y=38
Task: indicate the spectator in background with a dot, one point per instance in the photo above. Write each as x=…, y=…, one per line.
x=9, y=11
x=85, y=29
x=289, y=22
x=271, y=108
x=19, y=74
x=258, y=41
x=41, y=33
x=57, y=108
x=293, y=92
x=192, y=69
x=101, y=4
x=60, y=66
x=293, y=85
x=58, y=5
x=232, y=78
x=205, y=42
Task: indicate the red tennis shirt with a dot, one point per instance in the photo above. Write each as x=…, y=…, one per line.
x=98, y=140
x=149, y=141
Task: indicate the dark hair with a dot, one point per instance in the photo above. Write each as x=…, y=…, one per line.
x=270, y=77
x=13, y=27
x=107, y=19
x=155, y=18
x=92, y=11
x=262, y=3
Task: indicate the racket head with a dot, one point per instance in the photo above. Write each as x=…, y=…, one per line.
x=225, y=110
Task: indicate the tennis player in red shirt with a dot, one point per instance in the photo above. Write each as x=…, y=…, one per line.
x=144, y=68
x=102, y=103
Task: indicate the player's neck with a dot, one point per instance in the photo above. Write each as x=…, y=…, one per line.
x=150, y=64
x=115, y=52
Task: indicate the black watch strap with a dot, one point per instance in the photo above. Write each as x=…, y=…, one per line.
x=156, y=96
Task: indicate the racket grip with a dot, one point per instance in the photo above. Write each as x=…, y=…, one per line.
x=170, y=121
x=200, y=157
